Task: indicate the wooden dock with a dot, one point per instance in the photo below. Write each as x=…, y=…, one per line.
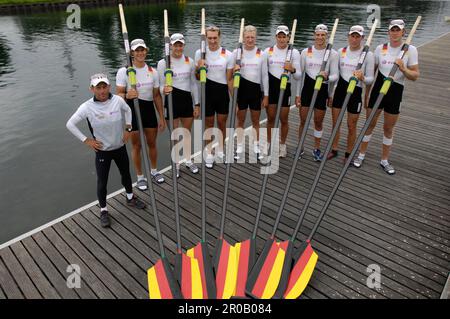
x=400, y=223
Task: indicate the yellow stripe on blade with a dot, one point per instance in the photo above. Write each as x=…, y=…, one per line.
x=196, y=280
x=153, y=287
x=304, y=278
x=275, y=275
x=232, y=271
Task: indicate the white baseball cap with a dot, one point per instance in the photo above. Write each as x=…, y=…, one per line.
x=177, y=37
x=397, y=23
x=321, y=28
x=282, y=28
x=136, y=43
x=99, y=78
x=357, y=29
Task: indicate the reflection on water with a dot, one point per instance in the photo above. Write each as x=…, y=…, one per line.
x=45, y=67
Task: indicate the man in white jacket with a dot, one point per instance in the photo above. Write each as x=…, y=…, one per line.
x=104, y=113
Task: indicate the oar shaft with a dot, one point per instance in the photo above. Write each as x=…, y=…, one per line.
x=229, y=150
x=168, y=77
x=203, y=110
x=144, y=149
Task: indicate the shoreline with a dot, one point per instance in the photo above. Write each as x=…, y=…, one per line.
x=61, y=5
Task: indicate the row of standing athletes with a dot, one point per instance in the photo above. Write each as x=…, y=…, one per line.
x=259, y=88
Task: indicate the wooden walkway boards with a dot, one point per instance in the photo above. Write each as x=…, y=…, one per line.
x=400, y=223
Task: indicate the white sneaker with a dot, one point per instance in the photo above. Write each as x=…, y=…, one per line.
x=283, y=150
x=192, y=167
x=257, y=151
x=209, y=161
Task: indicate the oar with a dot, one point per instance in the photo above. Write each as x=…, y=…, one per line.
x=351, y=87
x=305, y=258
x=262, y=281
x=201, y=251
x=225, y=259
x=161, y=281
x=186, y=269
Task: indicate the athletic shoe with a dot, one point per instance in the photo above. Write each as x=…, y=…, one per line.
x=209, y=161
x=258, y=152
x=192, y=167
x=357, y=162
x=332, y=154
x=142, y=184
x=388, y=168
x=157, y=177
x=283, y=150
x=135, y=202
x=317, y=155
x=105, y=221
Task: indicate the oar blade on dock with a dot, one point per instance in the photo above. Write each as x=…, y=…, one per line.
x=208, y=284
x=161, y=281
x=225, y=266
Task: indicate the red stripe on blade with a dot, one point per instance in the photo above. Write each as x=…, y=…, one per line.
x=163, y=282
x=300, y=266
x=186, y=277
x=222, y=267
x=260, y=284
x=244, y=255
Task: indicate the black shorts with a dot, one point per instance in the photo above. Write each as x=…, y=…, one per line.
x=307, y=93
x=249, y=95
x=217, y=98
x=148, y=114
x=391, y=101
x=274, y=91
x=182, y=104
x=355, y=102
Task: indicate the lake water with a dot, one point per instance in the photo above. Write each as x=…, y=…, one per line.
x=45, y=66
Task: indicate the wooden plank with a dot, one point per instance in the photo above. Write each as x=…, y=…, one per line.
x=20, y=276
x=7, y=283
x=60, y=264
x=104, y=248
x=33, y=271
x=53, y=276
x=100, y=270
x=87, y=275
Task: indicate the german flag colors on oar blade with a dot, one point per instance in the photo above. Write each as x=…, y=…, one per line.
x=161, y=282
x=201, y=251
x=186, y=270
x=306, y=258
x=207, y=283
x=246, y=257
x=264, y=283
x=225, y=258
